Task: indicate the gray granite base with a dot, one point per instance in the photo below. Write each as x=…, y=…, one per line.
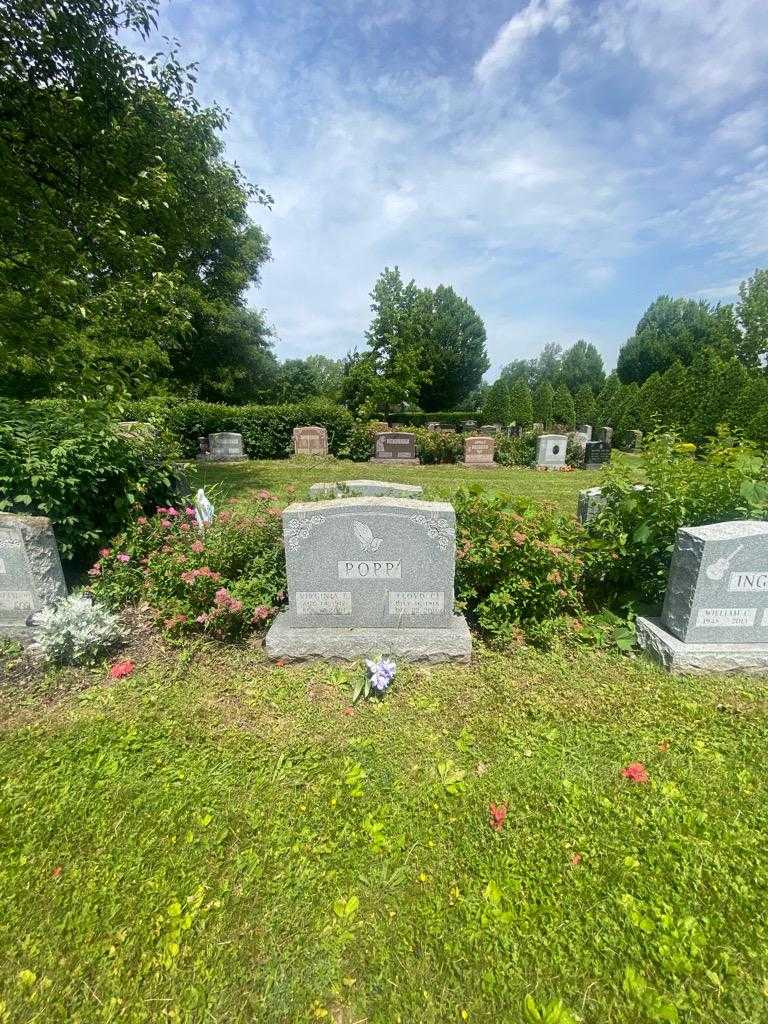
x=700, y=659
x=328, y=643
x=396, y=462
x=365, y=488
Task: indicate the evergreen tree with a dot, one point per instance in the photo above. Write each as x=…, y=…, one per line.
x=520, y=403
x=584, y=405
x=582, y=364
x=543, y=402
x=605, y=402
x=496, y=408
x=562, y=406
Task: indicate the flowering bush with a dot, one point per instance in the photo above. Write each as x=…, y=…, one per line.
x=225, y=581
x=517, y=567
x=77, y=632
x=516, y=451
x=438, y=446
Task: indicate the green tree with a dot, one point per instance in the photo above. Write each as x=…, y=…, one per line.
x=605, y=401
x=562, y=406
x=520, y=403
x=453, y=352
x=752, y=316
x=497, y=408
x=675, y=330
x=582, y=365
x=543, y=403
x=124, y=236
x=584, y=405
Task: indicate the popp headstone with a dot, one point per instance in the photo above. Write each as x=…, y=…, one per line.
x=310, y=440
x=479, y=451
x=30, y=570
x=226, y=447
x=396, y=446
x=550, y=451
x=715, y=614
x=370, y=576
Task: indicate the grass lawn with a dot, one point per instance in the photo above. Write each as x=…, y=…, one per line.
x=242, y=479
x=217, y=839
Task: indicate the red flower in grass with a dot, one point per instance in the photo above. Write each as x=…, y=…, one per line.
x=56, y=872
x=348, y=712
x=280, y=663
x=121, y=669
x=497, y=816
x=575, y=859
x=635, y=772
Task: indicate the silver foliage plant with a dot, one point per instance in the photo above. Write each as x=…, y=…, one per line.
x=77, y=632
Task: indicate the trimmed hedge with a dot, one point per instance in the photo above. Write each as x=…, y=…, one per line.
x=421, y=419
x=266, y=429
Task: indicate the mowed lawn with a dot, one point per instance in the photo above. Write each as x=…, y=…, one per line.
x=244, y=479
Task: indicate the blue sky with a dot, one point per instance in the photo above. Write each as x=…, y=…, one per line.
x=560, y=163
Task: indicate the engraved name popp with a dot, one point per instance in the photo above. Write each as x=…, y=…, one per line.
x=748, y=581
x=319, y=602
x=365, y=570
x=417, y=602
x=738, y=617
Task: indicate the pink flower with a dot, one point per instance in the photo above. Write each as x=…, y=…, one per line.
x=263, y=494
x=123, y=558
x=262, y=612
x=172, y=512
x=121, y=668
x=635, y=772
x=202, y=619
x=142, y=520
x=161, y=510
x=105, y=551
x=95, y=570
x=497, y=816
x=166, y=523
x=198, y=547
x=190, y=512
x=185, y=527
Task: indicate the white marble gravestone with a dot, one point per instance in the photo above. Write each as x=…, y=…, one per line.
x=30, y=570
x=396, y=446
x=479, y=451
x=370, y=576
x=550, y=451
x=226, y=447
x=715, y=614
x=310, y=440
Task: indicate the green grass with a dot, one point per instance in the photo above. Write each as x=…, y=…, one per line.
x=242, y=479
x=215, y=840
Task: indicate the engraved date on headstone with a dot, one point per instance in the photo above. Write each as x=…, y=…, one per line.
x=323, y=602
x=416, y=602
x=726, y=617
x=17, y=600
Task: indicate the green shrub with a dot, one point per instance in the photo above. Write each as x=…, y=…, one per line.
x=633, y=536
x=516, y=571
x=421, y=419
x=516, y=451
x=77, y=632
x=225, y=582
x=361, y=443
x=74, y=466
x=434, y=446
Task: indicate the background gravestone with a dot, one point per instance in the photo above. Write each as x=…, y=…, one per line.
x=550, y=451
x=433, y=426
x=396, y=446
x=479, y=451
x=715, y=614
x=30, y=569
x=310, y=441
x=634, y=440
x=605, y=434
x=596, y=454
x=226, y=447
x=370, y=576
x=468, y=426
x=585, y=428
x=490, y=429
x=365, y=488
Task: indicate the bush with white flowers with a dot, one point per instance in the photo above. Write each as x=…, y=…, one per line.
x=77, y=632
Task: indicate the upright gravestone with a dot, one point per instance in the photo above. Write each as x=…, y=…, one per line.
x=468, y=426
x=226, y=447
x=605, y=434
x=715, y=614
x=433, y=426
x=596, y=454
x=581, y=440
x=550, y=451
x=310, y=441
x=479, y=451
x=592, y=501
x=585, y=428
x=30, y=570
x=634, y=440
x=490, y=429
x=369, y=577
x=396, y=446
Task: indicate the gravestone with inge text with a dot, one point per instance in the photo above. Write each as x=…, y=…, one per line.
x=370, y=576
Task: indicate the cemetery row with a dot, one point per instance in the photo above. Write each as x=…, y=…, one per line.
x=400, y=447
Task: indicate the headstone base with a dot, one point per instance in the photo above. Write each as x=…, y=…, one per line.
x=222, y=458
x=396, y=462
x=328, y=643
x=700, y=659
x=479, y=465
x=365, y=488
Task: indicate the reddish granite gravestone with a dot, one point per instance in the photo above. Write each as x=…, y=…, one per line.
x=310, y=440
x=479, y=451
x=396, y=446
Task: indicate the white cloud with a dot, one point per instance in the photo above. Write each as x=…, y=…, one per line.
x=536, y=16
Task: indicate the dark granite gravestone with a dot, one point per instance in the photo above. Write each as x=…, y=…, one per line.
x=596, y=454
x=370, y=576
x=715, y=614
x=30, y=570
x=396, y=446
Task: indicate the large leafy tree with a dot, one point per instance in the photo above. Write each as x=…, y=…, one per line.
x=675, y=330
x=562, y=406
x=752, y=315
x=453, y=353
x=584, y=405
x=582, y=365
x=497, y=406
x=543, y=400
x=125, y=240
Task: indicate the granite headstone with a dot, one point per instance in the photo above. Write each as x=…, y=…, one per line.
x=396, y=446
x=479, y=451
x=310, y=441
x=596, y=454
x=226, y=447
x=585, y=428
x=30, y=569
x=550, y=451
x=365, y=488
